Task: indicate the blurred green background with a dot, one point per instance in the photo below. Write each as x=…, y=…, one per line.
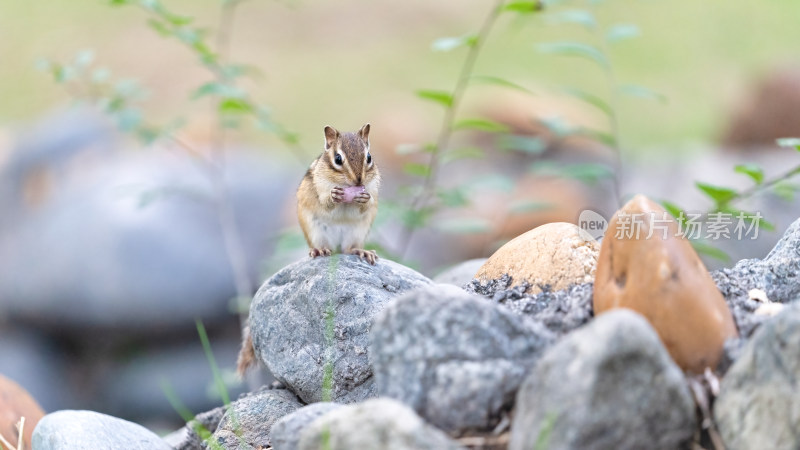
x=346, y=62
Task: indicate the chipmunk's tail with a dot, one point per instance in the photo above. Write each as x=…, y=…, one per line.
x=247, y=355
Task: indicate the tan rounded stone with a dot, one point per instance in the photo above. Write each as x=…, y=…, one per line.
x=15, y=402
x=555, y=254
x=660, y=276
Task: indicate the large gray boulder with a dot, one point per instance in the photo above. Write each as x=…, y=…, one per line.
x=759, y=401
x=777, y=275
x=310, y=323
x=249, y=420
x=454, y=357
x=286, y=431
x=89, y=430
x=376, y=424
x=608, y=385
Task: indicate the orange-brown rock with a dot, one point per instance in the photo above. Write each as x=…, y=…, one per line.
x=15, y=402
x=554, y=254
x=660, y=276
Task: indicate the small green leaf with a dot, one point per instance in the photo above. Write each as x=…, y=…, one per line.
x=218, y=89
x=234, y=106
x=416, y=218
x=450, y=43
x=83, y=59
x=642, y=92
x=518, y=142
x=489, y=126
x=710, y=251
x=524, y=6
x=128, y=119
x=789, y=142
x=591, y=99
x=573, y=16
x=417, y=169
x=453, y=198
x=177, y=20
x=577, y=49
x=160, y=27
x=557, y=126
x=441, y=97
x=675, y=210
x=496, y=81
x=589, y=173
x=494, y=182
x=749, y=218
x=101, y=75
x=463, y=225
x=786, y=191
x=720, y=195
x=462, y=153
x=621, y=32
x=752, y=171
x=526, y=206
x=601, y=136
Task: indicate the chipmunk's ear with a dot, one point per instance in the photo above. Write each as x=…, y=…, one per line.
x=364, y=133
x=331, y=136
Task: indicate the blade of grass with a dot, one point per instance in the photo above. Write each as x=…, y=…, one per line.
x=218, y=381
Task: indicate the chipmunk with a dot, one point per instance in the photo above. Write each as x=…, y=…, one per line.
x=336, y=204
x=338, y=198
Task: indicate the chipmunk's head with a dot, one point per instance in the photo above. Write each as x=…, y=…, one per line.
x=348, y=156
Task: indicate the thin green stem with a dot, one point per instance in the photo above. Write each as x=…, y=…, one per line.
x=446, y=130
x=747, y=193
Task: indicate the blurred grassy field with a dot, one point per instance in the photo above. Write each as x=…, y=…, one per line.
x=346, y=62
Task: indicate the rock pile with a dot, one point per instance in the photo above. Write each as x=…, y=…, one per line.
x=380, y=357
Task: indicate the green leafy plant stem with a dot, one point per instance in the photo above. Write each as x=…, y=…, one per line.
x=448, y=121
x=766, y=185
x=230, y=231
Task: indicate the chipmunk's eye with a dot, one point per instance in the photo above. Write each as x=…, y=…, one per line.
x=338, y=159
x=369, y=158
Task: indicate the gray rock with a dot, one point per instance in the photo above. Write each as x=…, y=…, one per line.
x=455, y=358
x=560, y=311
x=376, y=424
x=759, y=401
x=608, y=385
x=249, y=420
x=319, y=311
x=778, y=275
x=286, y=431
x=89, y=430
x=187, y=438
x=461, y=273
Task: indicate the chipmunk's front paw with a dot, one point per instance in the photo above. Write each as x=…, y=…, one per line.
x=315, y=252
x=367, y=255
x=362, y=197
x=337, y=195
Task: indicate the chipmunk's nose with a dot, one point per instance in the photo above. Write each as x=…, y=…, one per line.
x=358, y=181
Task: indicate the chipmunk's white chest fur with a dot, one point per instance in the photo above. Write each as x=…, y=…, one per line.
x=344, y=226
